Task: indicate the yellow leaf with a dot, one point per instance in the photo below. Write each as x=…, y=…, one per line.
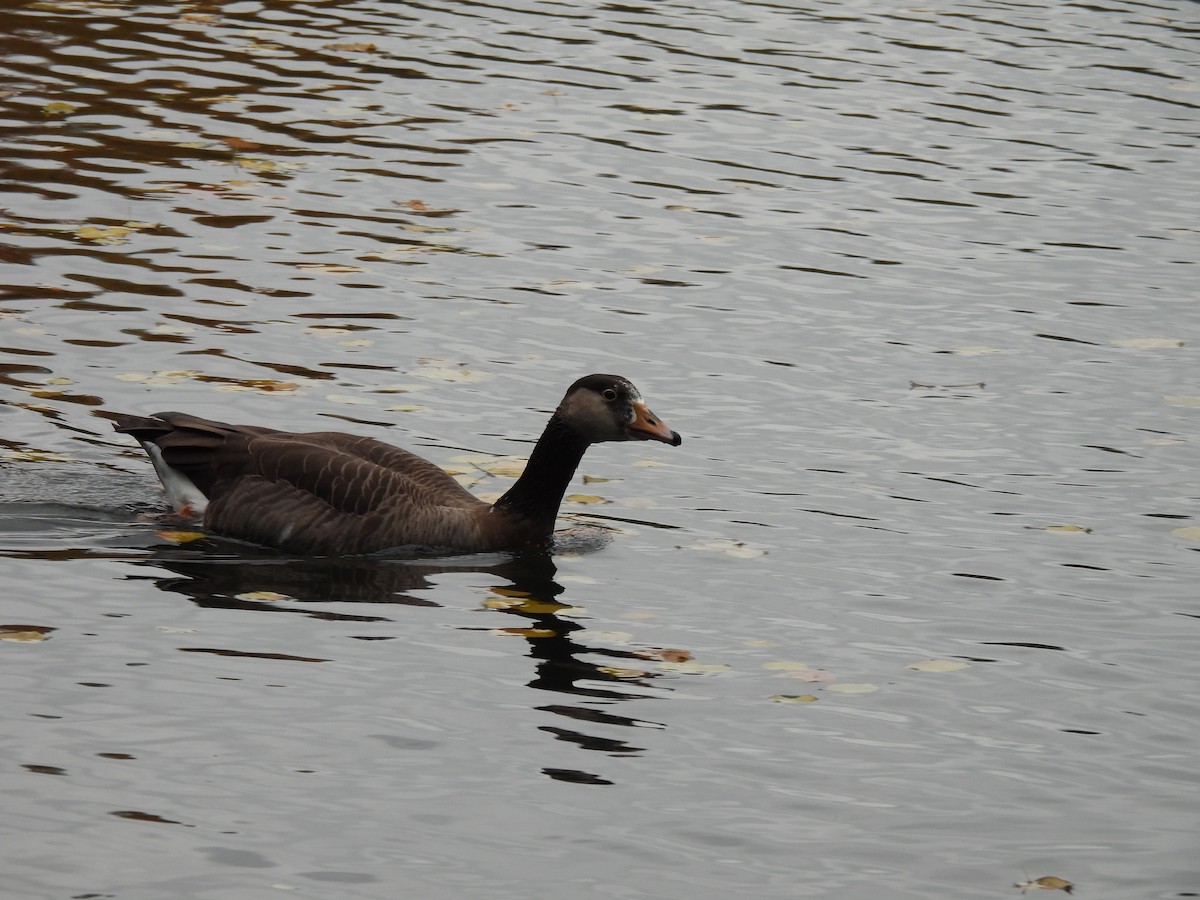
x=1189, y=401
x=1187, y=532
x=22, y=637
x=262, y=596
x=36, y=456
x=329, y=269
x=97, y=234
x=799, y=670
x=58, y=108
x=350, y=48
x=618, y=672
x=1148, y=343
x=407, y=408
x=461, y=375
x=793, y=698
x=977, y=350
x=852, y=688
x=691, y=667
x=180, y=537
x=585, y=498
x=729, y=547
x=937, y=665
x=591, y=479
x=526, y=632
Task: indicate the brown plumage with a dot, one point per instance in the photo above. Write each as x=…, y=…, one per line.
x=327, y=493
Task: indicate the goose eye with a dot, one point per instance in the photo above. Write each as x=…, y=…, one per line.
x=608, y=394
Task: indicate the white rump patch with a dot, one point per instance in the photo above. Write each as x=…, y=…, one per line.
x=183, y=494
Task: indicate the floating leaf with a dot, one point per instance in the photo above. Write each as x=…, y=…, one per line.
x=350, y=48
x=407, y=408
x=329, y=269
x=1187, y=532
x=58, y=381
x=691, y=667
x=461, y=375
x=618, y=672
x=664, y=654
x=1148, y=343
x=727, y=546
x=793, y=698
x=22, y=637
x=799, y=670
x=1188, y=401
x=180, y=537
x=262, y=596
x=850, y=687
x=526, y=632
x=937, y=665
x=976, y=350
x=585, y=498
x=1068, y=529
x=596, y=479
x=58, y=108
x=98, y=234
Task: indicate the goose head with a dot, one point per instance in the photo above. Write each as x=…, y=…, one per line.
x=609, y=408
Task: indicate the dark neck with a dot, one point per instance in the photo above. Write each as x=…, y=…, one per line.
x=539, y=491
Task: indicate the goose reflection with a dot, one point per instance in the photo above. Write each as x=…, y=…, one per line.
x=564, y=663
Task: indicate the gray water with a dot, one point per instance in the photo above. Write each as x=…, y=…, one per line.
x=915, y=283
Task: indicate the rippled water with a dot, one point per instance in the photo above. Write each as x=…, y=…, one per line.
x=916, y=284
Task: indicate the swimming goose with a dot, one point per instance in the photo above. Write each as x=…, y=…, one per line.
x=329, y=494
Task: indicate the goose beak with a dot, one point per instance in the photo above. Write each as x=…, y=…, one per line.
x=648, y=427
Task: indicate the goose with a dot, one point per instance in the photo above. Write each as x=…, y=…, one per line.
x=327, y=493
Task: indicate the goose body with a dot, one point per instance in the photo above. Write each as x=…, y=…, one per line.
x=327, y=493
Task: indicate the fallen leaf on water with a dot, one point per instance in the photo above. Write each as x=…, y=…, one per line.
x=691, y=667
x=1187, y=532
x=852, y=688
x=937, y=665
x=58, y=108
x=1068, y=529
x=262, y=596
x=976, y=350
x=618, y=672
x=328, y=268
x=407, y=408
x=793, y=698
x=24, y=634
x=1188, y=401
x=1147, y=343
x=727, y=546
x=799, y=670
x=1046, y=883
x=351, y=48
x=36, y=456
x=585, y=498
x=526, y=632
x=665, y=654
x=99, y=234
x=180, y=537
x=446, y=373
x=592, y=479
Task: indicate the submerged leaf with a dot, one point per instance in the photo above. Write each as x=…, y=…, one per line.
x=937, y=665
x=180, y=537
x=853, y=688
x=585, y=498
x=262, y=596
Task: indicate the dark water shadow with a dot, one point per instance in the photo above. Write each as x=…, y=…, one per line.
x=585, y=681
